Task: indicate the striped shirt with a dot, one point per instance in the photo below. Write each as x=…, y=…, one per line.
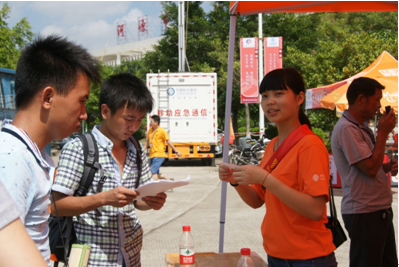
x=351, y=143
x=114, y=234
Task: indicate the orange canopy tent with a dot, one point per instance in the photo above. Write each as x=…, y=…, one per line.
x=384, y=69
x=389, y=96
x=255, y=7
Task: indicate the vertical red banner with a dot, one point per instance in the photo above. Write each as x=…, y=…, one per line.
x=273, y=53
x=249, y=70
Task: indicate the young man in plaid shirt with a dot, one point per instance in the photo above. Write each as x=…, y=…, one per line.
x=105, y=218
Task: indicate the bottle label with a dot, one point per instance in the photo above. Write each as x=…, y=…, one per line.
x=187, y=256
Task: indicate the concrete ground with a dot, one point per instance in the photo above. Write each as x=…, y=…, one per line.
x=198, y=205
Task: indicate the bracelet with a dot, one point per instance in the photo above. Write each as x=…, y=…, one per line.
x=233, y=185
x=265, y=178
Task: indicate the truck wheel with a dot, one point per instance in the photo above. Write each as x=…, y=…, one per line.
x=208, y=162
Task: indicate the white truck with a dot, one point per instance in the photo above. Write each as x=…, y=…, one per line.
x=187, y=106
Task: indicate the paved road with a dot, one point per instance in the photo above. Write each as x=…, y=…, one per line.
x=198, y=205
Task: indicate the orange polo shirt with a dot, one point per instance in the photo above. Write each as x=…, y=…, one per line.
x=287, y=234
x=157, y=141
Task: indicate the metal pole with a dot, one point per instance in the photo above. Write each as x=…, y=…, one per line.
x=260, y=68
x=182, y=55
x=229, y=94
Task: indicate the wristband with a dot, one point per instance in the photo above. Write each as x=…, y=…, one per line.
x=233, y=185
x=265, y=178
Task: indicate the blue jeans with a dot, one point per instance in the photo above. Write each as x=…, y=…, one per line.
x=156, y=164
x=326, y=261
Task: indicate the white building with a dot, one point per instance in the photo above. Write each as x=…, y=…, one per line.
x=114, y=55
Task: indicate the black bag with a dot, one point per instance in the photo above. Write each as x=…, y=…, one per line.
x=61, y=231
x=333, y=224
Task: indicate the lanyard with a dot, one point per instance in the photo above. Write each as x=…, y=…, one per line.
x=153, y=134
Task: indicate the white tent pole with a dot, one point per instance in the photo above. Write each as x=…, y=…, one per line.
x=182, y=54
x=260, y=76
x=227, y=114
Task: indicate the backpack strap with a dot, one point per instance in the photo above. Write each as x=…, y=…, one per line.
x=139, y=161
x=91, y=164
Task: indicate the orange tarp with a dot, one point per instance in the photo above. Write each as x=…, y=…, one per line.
x=255, y=7
x=389, y=95
x=384, y=69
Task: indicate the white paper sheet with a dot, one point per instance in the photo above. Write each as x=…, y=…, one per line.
x=155, y=187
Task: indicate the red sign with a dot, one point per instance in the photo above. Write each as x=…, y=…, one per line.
x=315, y=95
x=249, y=70
x=273, y=53
x=120, y=30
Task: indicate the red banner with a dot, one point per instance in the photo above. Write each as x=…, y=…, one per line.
x=273, y=53
x=249, y=70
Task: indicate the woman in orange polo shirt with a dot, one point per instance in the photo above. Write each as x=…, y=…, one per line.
x=296, y=187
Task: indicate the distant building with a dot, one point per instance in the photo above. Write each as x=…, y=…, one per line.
x=114, y=55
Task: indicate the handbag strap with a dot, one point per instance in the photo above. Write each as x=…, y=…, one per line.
x=333, y=211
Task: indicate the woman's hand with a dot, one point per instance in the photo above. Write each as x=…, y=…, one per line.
x=226, y=172
x=249, y=174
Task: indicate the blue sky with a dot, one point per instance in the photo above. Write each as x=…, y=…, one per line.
x=88, y=23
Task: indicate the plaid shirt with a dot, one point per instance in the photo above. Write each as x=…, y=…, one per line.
x=113, y=233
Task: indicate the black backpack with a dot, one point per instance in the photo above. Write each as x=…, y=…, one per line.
x=61, y=232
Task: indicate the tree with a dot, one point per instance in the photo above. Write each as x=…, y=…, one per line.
x=92, y=104
x=324, y=47
x=12, y=40
x=346, y=44
x=198, y=44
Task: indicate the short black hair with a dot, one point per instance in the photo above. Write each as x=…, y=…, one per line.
x=362, y=86
x=125, y=89
x=52, y=61
x=156, y=118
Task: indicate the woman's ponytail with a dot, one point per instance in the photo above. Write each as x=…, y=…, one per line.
x=303, y=119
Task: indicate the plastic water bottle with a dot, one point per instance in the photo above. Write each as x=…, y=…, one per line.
x=186, y=247
x=245, y=260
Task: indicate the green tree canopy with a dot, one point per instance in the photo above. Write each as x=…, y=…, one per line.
x=324, y=47
x=12, y=40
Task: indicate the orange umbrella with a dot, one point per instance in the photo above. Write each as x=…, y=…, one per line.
x=384, y=69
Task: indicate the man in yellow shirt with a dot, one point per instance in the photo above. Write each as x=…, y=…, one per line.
x=156, y=138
